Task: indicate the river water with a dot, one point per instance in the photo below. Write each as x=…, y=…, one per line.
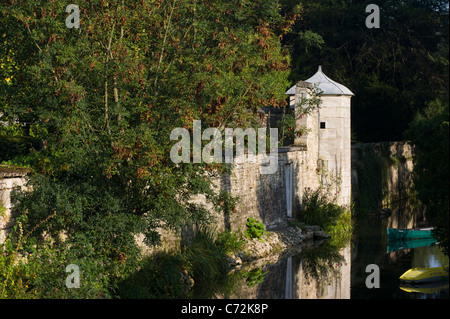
x=371, y=246
x=325, y=271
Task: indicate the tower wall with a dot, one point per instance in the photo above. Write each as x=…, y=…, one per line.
x=335, y=145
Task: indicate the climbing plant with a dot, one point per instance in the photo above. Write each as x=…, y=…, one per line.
x=287, y=124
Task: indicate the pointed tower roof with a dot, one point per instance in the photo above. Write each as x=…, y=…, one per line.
x=327, y=85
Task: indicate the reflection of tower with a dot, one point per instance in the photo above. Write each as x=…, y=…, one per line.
x=329, y=131
x=289, y=282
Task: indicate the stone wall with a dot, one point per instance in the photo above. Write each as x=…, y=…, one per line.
x=270, y=198
x=334, y=143
x=264, y=196
x=382, y=173
x=10, y=179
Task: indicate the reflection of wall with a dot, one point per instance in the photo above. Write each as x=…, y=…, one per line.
x=333, y=285
x=406, y=214
x=288, y=278
x=429, y=257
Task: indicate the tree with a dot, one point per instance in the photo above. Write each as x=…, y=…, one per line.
x=391, y=70
x=429, y=132
x=109, y=93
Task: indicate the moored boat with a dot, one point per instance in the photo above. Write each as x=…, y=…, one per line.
x=412, y=233
x=424, y=275
x=400, y=244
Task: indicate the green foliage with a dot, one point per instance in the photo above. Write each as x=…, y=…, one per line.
x=14, y=129
x=17, y=149
x=287, y=125
x=429, y=132
x=255, y=229
x=255, y=276
x=159, y=277
x=206, y=260
x=322, y=211
x=307, y=105
x=393, y=71
x=31, y=268
x=230, y=242
x=286, y=128
x=319, y=210
x=45, y=268
x=226, y=203
x=105, y=100
x=107, y=227
x=2, y=210
x=341, y=231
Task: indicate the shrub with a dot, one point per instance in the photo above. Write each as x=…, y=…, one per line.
x=319, y=210
x=334, y=219
x=229, y=241
x=17, y=146
x=159, y=277
x=255, y=229
x=42, y=273
x=36, y=268
x=206, y=260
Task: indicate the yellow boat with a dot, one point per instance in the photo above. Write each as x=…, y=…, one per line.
x=425, y=288
x=424, y=275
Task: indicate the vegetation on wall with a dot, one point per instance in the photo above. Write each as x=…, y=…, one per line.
x=255, y=229
x=287, y=124
x=323, y=211
x=286, y=128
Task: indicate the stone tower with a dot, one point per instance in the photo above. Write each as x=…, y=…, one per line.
x=328, y=132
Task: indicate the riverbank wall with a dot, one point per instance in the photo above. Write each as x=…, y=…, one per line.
x=382, y=174
x=270, y=198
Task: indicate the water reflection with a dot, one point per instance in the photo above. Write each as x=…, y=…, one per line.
x=320, y=270
x=371, y=246
x=315, y=273
x=422, y=291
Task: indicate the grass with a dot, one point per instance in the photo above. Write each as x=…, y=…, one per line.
x=334, y=219
x=205, y=261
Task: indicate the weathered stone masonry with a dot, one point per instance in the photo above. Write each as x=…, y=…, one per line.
x=320, y=157
x=270, y=198
x=10, y=179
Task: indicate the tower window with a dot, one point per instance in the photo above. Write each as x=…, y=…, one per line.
x=322, y=124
